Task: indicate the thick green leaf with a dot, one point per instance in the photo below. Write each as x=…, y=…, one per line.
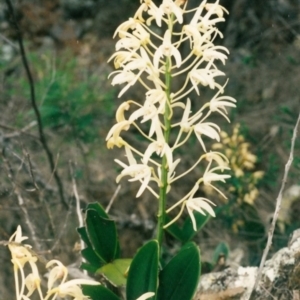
x=83, y=235
x=98, y=292
x=90, y=268
x=102, y=234
x=187, y=230
x=116, y=272
x=97, y=207
x=179, y=279
x=174, y=230
x=143, y=272
x=94, y=262
x=90, y=255
x=221, y=249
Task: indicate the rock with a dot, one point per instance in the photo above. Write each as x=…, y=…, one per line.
x=280, y=278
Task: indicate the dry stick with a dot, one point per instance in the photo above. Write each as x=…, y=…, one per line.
x=21, y=202
x=78, y=210
x=277, y=208
x=19, y=131
x=113, y=198
x=35, y=108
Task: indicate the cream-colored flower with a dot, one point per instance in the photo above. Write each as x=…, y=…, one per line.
x=210, y=175
x=122, y=57
x=201, y=205
x=218, y=104
x=59, y=272
x=218, y=157
x=129, y=43
x=212, y=9
x=160, y=147
x=157, y=96
x=32, y=282
x=205, y=77
x=209, y=129
x=138, y=172
x=146, y=296
x=125, y=26
x=124, y=77
x=151, y=8
x=168, y=7
x=212, y=53
x=167, y=49
x=71, y=288
x=120, y=111
x=20, y=253
x=113, y=135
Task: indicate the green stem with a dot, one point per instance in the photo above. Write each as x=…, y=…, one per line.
x=164, y=166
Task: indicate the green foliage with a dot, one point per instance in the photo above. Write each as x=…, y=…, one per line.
x=186, y=232
x=116, y=271
x=221, y=250
x=143, y=272
x=70, y=100
x=99, y=251
x=98, y=292
x=179, y=278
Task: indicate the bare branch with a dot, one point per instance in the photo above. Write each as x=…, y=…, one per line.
x=277, y=208
x=35, y=107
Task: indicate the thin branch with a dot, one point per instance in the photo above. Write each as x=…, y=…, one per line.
x=277, y=208
x=8, y=41
x=31, y=171
x=21, y=202
x=35, y=107
x=19, y=131
x=113, y=198
x=78, y=209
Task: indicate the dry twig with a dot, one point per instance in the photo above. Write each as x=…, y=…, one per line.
x=35, y=107
x=277, y=208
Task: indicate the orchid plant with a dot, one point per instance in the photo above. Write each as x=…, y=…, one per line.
x=154, y=60
x=148, y=53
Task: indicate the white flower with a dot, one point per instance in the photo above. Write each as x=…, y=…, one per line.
x=215, y=8
x=124, y=77
x=157, y=96
x=113, y=136
x=32, y=282
x=20, y=253
x=138, y=172
x=128, y=43
x=72, y=288
x=151, y=8
x=218, y=104
x=146, y=296
x=184, y=124
x=210, y=175
x=212, y=8
x=212, y=53
x=218, y=157
x=160, y=147
x=201, y=205
x=209, y=129
x=125, y=26
x=167, y=49
x=59, y=272
x=122, y=57
x=120, y=111
x=169, y=7
x=205, y=77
